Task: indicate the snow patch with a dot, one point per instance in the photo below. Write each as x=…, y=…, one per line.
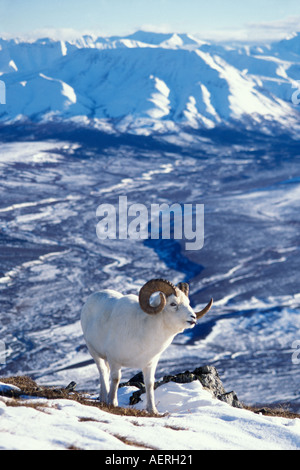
x=159, y=99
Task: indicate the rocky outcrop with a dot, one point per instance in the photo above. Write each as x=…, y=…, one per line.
x=207, y=375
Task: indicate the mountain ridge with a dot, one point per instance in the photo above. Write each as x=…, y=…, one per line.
x=151, y=82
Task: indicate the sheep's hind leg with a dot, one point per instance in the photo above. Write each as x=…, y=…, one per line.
x=103, y=369
x=104, y=380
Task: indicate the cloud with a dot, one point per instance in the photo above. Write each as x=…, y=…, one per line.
x=276, y=29
x=57, y=34
x=260, y=32
x=291, y=23
x=163, y=28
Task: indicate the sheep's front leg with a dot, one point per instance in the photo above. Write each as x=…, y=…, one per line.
x=115, y=377
x=149, y=379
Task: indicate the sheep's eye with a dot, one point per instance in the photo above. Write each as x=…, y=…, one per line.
x=173, y=304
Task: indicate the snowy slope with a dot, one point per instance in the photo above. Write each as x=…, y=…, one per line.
x=194, y=420
x=150, y=81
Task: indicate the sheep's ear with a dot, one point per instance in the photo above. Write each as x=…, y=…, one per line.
x=184, y=287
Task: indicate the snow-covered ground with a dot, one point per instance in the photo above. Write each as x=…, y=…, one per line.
x=192, y=420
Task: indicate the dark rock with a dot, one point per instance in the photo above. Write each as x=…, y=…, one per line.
x=71, y=387
x=207, y=375
x=182, y=378
x=230, y=398
x=136, y=397
x=210, y=380
x=135, y=381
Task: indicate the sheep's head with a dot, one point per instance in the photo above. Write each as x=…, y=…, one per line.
x=171, y=299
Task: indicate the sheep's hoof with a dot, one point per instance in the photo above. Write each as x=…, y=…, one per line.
x=154, y=412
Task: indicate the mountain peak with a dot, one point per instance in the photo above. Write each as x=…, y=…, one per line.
x=149, y=37
x=290, y=44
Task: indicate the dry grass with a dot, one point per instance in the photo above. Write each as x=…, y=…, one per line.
x=130, y=442
x=37, y=406
x=20, y=381
x=280, y=411
x=123, y=439
x=30, y=388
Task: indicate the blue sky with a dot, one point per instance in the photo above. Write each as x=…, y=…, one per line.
x=219, y=19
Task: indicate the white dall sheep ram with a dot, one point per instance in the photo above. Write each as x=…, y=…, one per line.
x=128, y=331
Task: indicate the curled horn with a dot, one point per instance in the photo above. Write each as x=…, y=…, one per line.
x=164, y=287
x=205, y=310
x=184, y=287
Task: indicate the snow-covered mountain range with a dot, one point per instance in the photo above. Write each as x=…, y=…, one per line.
x=151, y=82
